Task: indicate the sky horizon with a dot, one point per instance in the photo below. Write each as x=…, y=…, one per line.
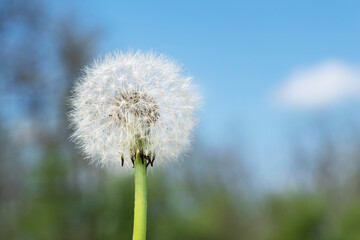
x=269, y=71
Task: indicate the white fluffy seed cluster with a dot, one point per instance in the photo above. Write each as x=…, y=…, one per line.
x=128, y=103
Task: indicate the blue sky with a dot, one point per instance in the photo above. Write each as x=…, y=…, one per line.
x=240, y=54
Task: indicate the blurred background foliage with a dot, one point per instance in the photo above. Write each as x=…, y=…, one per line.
x=48, y=192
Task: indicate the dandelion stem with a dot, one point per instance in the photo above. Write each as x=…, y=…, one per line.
x=140, y=199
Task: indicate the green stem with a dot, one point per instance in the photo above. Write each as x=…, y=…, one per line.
x=140, y=200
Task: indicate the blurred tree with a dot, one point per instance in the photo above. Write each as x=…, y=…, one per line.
x=36, y=71
x=297, y=218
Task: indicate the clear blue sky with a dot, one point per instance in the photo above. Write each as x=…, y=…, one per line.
x=239, y=53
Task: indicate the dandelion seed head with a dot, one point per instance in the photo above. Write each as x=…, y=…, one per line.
x=131, y=103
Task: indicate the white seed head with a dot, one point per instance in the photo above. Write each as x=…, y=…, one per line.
x=133, y=103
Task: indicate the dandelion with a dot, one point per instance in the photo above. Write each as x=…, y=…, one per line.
x=133, y=110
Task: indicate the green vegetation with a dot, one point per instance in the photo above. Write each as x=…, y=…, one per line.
x=61, y=201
